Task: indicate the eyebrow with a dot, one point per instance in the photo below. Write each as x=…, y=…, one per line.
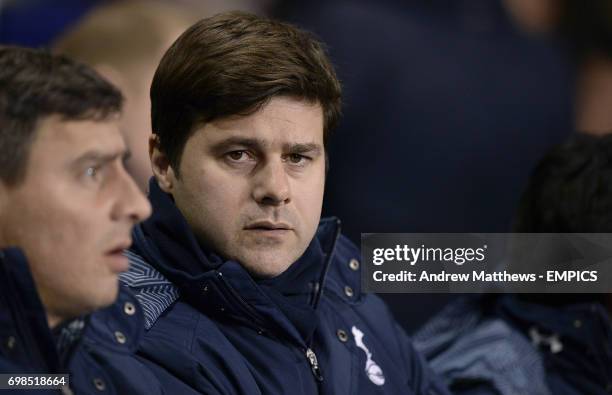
x=257, y=144
x=241, y=141
x=312, y=148
x=100, y=157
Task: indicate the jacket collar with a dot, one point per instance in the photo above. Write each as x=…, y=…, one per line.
x=285, y=303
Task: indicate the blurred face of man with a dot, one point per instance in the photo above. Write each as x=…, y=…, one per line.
x=73, y=213
x=135, y=123
x=251, y=187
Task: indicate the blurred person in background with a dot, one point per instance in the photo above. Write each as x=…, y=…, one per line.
x=537, y=344
x=124, y=42
x=67, y=208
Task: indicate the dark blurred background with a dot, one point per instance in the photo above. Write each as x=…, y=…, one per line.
x=448, y=103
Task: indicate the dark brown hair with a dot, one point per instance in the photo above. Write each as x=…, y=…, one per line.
x=570, y=190
x=232, y=64
x=35, y=84
x=587, y=26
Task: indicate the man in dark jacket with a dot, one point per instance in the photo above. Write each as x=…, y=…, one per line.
x=69, y=206
x=537, y=344
x=245, y=290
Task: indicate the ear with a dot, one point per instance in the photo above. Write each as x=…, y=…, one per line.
x=160, y=164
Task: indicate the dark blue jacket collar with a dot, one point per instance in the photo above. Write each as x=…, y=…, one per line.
x=167, y=243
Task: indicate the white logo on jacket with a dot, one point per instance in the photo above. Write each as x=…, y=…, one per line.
x=374, y=372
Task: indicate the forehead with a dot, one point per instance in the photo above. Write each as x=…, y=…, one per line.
x=282, y=120
x=67, y=140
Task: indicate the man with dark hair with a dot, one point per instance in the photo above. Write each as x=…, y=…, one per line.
x=67, y=208
x=244, y=289
x=537, y=344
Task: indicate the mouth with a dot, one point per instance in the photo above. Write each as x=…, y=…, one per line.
x=269, y=228
x=118, y=262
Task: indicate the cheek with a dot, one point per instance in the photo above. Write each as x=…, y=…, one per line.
x=60, y=227
x=58, y=249
x=215, y=200
x=67, y=236
x=309, y=198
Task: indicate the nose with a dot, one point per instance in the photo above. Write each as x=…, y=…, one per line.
x=271, y=185
x=131, y=203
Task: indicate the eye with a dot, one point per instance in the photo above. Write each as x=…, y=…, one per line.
x=239, y=156
x=298, y=159
x=92, y=171
x=95, y=173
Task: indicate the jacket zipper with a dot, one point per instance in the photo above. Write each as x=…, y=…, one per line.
x=310, y=354
x=314, y=364
x=319, y=292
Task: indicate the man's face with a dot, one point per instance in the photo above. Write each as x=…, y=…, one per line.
x=251, y=187
x=73, y=214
